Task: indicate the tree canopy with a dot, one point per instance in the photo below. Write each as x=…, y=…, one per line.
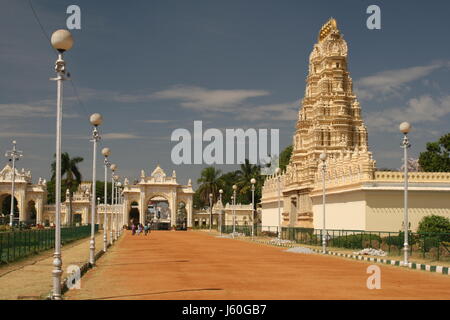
x=437, y=156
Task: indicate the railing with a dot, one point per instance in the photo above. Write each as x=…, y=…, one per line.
x=18, y=244
x=434, y=246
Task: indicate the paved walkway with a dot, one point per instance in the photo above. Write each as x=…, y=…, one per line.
x=195, y=265
x=31, y=278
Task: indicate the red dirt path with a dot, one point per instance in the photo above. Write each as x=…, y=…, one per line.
x=194, y=265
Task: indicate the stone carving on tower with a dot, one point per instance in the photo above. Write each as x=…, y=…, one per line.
x=329, y=121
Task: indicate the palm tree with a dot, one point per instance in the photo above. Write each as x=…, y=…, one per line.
x=244, y=175
x=72, y=174
x=209, y=182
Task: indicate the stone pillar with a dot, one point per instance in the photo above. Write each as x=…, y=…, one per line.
x=85, y=215
x=142, y=208
x=125, y=212
x=173, y=210
x=189, y=212
x=22, y=204
x=39, y=210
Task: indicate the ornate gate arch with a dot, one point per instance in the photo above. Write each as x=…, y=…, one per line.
x=158, y=186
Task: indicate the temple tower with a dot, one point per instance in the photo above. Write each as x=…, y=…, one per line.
x=329, y=121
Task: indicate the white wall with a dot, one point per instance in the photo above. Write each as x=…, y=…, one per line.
x=269, y=214
x=343, y=211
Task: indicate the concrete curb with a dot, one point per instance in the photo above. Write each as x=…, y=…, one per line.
x=412, y=265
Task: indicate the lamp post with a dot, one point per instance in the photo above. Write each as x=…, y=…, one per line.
x=114, y=220
x=98, y=212
x=96, y=120
x=253, y=181
x=210, y=210
x=62, y=41
x=13, y=155
x=323, y=158
x=234, y=209
x=113, y=168
x=277, y=172
x=405, y=127
x=119, y=187
x=221, y=209
x=106, y=152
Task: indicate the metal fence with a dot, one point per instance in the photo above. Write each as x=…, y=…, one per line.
x=434, y=246
x=18, y=244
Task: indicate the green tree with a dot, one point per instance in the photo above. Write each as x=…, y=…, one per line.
x=246, y=172
x=100, y=191
x=434, y=224
x=69, y=169
x=209, y=182
x=285, y=157
x=437, y=156
x=227, y=180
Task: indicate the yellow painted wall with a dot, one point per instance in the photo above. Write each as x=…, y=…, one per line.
x=385, y=208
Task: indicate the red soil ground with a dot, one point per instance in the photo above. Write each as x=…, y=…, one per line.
x=194, y=265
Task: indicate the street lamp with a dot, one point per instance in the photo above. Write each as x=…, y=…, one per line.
x=113, y=168
x=234, y=209
x=253, y=181
x=62, y=41
x=221, y=209
x=277, y=172
x=13, y=156
x=98, y=212
x=323, y=158
x=106, y=152
x=114, y=219
x=405, y=127
x=96, y=120
x=119, y=187
x=210, y=210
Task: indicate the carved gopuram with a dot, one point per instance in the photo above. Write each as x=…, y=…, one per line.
x=358, y=196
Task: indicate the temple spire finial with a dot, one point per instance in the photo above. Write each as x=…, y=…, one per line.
x=327, y=28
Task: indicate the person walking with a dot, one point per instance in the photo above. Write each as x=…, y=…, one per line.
x=133, y=229
x=145, y=229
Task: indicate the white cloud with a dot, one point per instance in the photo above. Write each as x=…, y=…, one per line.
x=13, y=135
x=274, y=112
x=15, y=110
x=201, y=99
x=156, y=121
x=418, y=110
x=120, y=136
x=390, y=81
x=40, y=109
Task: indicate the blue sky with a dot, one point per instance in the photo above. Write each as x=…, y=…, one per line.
x=150, y=67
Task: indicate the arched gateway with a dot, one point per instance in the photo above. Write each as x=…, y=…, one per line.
x=157, y=198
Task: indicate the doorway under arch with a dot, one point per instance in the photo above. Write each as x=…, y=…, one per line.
x=181, y=218
x=31, y=212
x=5, y=201
x=134, y=216
x=159, y=213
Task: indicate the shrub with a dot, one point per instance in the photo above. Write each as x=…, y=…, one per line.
x=355, y=241
x=434, y=224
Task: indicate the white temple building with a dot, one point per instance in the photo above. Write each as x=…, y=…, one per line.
x=359, y=197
